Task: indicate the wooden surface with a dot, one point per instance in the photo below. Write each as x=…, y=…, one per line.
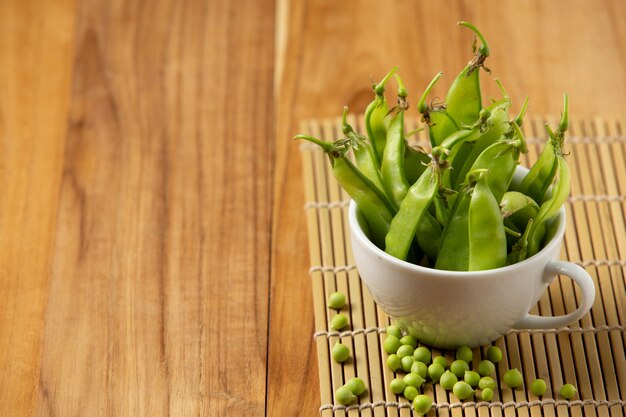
x=153, y=244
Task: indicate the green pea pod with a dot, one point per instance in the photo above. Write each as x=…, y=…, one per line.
x=495, y=126
x=550, y=208
x=541, y=174
x=415, y=163
x=375, y=206
x=453, y=254
x=487, y=238
x=411, y=212
x=428, y=235
x=364, y=153
x=392, y=170
x=519, y=251
x=518, y=209
x=375, y=117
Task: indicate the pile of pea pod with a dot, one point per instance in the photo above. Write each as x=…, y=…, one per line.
x=453, y=208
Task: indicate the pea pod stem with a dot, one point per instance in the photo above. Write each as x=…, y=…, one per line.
x=422, y=107
x=375, y=117
x=484, y=48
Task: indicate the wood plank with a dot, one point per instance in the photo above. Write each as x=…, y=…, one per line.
x=159, y=294
x=36, y=48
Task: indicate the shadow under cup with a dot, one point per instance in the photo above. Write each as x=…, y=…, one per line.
x=448, y=309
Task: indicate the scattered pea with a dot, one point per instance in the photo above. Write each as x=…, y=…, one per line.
x=494, y=354
x=339, y=322
x=344, y=396
x=422, y=404
x=447, y=380
x=410, y=393
x=568, y=391
x=337, y=300
x=413, y=380
x=472, y=378
x=435, y=370
x=462, y=390
x=538, y=387
x=419, y=368
x=486, y=368
x=394, y=331
x=405, y=350
x=440, y=360
x=409, y=340
x=422, y=354
x=397, y=386
x=356, y=385
x=394, y=362
x=406, y=363
x=458, y=368
x=391, y=344
x=340, y=352
x=464, y=353
x=487, y=382
x=486, y=394
x=513, y=378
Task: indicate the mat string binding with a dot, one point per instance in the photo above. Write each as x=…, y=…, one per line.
x=582, y=330
x=600, y=198
x=473, y=404
x=584, y=264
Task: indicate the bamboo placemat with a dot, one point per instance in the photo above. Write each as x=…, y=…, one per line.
x=588, y=354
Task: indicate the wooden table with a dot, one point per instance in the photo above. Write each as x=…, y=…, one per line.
x=153, y=249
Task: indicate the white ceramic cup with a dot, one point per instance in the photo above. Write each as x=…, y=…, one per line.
x=448, y=309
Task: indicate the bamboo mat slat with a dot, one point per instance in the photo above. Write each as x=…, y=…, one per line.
x=589, y=354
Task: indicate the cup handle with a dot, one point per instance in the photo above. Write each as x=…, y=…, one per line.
x=587, y=288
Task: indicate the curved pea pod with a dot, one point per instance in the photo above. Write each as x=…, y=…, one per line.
x=364, y=153
x=411, y=212
x=392, y=170
x=487, y=238
x=550, y=208
x=518, y=208
x=541, y=175
x=375, y=117
x=453, y=254
x=375, y=206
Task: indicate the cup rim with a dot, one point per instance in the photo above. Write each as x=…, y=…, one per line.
x=358, y=233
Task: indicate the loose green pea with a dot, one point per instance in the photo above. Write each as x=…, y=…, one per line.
x=356, y=385
x=419, y=368
x=513, y=378
x=462, y=390
x=340, y=352
x=422, y=354
x=464, y=353
x=568, y=391
x=339, y=322
x=391, y=344
x=337, y=300
x=458, y=368
x=405, y=350
x=494, y=354
x=344, y=396
x=435, y=370
x=472, y=378
x=486, y=368
x=410, y=393
x=422, y=404
x=397, y=386
x=486, y=394
x=487, y=382
x=440, y=360
x=394, y=331
x=413, y=380
x=406, y=363
x=409, y=340
x=447, y=380
x=394, y=362
x=538, y=387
